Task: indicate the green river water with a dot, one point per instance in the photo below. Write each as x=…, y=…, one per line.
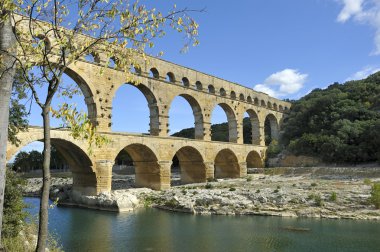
x=155, y=230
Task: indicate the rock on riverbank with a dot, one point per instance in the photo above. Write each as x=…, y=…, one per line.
x=276, y=195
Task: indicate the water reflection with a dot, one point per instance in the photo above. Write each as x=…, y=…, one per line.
x=154, y=230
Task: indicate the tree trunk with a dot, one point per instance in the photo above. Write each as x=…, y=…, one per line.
x=7, y=72
x=44, y=204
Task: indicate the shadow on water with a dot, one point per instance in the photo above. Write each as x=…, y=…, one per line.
x=155, y=230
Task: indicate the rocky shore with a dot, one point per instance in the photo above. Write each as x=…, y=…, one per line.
x=274, y=195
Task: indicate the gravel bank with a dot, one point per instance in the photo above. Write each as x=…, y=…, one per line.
x=276, y=195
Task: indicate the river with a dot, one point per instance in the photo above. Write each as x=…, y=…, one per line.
x=156, y=230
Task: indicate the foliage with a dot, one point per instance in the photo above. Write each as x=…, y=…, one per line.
x=338, y=124
x=273, y=149
x=219, y=132
x=13, y=215
x=367, y=181
x=209, y=186
x=17, y=111
x=30, y=161
x=50, y=40
x=80, y=125
x=333, y=196
x=375, y=195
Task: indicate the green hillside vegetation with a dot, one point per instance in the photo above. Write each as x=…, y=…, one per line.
x=339, y=124
x=219, y=132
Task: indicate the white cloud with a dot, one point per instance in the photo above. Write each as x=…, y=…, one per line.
x=363, y=73
x=285, y=82
x=351, y=7
x=364, y=12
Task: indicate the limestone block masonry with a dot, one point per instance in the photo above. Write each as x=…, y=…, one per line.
x=160, y=82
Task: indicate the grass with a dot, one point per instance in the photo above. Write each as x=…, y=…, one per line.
x=333, y=196
x=18, y=243
x=375, y=195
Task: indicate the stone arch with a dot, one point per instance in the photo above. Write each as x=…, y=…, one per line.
x=233, y=95
x=185, y=82
x=226, y=164
x=271, y=129
x=192, y=167
x=241, y=97
x=281, y=108
x=275, y=106
x=81, y=165
x=256, y=101
x=222, y=92
x=198, y=116
x=88, y=93
x=232, y=123
x=254, y=160
x=263, y=104
x=152, y=104
x=269, y=104
x=255, y=126
x=211, y=89
x=170, y=77
x=249, y=99
x=153, y=73
x=198, y=85
x=147, y=168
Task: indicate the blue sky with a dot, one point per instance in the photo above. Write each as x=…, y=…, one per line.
x=284, y=48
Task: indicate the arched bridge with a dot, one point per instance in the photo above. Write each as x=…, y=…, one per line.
x=160, y=82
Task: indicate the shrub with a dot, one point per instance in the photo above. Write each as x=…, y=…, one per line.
x=276, y=191
x=258, y=190
x=318, y=200
x=333, y=196
x=209, y=186
x=314, y=184
x=294, y=185
x=278, y=187
x=13, y=215
x=232, y=189
x=211, y=180
x=273, y=149
x=367, y=181
x=375, y=195
x=249, y=178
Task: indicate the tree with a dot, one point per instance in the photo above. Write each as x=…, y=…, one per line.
x=339, y=124
x=49, y=40
x=14, y=215
x=7, y=71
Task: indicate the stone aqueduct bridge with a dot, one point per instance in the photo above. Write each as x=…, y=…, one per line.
x=161, y=82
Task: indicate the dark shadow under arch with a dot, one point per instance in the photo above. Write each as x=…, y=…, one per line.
x=254, y=160
x=146, y=167
x=226, y=164
x=191, y=166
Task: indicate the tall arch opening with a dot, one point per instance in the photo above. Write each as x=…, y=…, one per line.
x=134, y=109
x=136, y=166
x=79, y=96
x=226, y=165
x=184, y=121
x=271, y=129
x=67, y=160
x=188, y=166
x=251, y=128
x=254, y=160
x=224, y=125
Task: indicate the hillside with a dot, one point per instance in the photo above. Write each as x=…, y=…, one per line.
x=338, y=124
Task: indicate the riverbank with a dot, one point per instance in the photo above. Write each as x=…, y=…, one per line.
x=258, y=194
